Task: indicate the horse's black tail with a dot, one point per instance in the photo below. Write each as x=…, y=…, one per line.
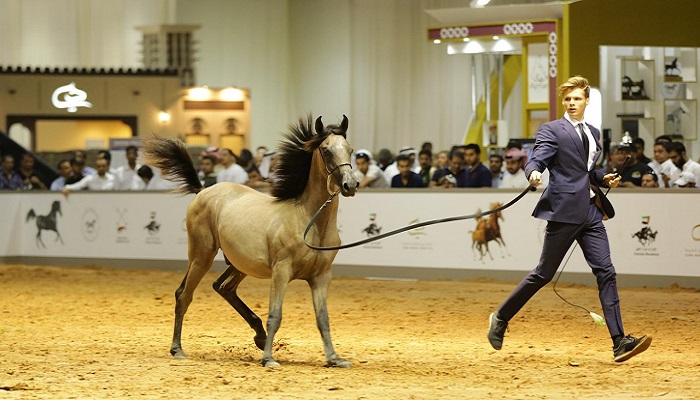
x=31, y=214
x=171, y=157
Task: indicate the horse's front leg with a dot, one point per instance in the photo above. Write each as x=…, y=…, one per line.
x=319, y=292
x=280, y=279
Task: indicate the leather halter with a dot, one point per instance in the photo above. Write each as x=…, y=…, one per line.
x=330, y=173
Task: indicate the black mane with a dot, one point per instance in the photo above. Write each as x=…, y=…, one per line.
x=294, y=157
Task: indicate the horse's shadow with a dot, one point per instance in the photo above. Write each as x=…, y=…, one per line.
x=46, y=222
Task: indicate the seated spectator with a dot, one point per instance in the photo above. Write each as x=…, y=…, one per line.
x=206, y=170
x=82, y=156
x=406, y=177
x=126, y=177
x=478, y=175
x=514, y=178
x=455, y=175
x=442, y=160
x=496, y=168
x=367, y=173
x=687, y=180
x=650, y=180
x=393, y=170
x=631, y=176
x=66, y=171
x=10, y=179
x=384, y=159
x=32, y=180
x=639, y=145
x=103, y=180
x=425, y=160
x=663, y=165
x=78, y=167
x=151, y=179
x=682, y=161
x=232, y=172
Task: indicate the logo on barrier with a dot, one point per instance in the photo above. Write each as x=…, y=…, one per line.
x=153, y=227
x=372, y=229
x=488, y=229
x=122, y=226
x=90, y=225
x=46, y=222
x=646, y=235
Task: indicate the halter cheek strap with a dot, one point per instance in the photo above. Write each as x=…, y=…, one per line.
x=330, y=173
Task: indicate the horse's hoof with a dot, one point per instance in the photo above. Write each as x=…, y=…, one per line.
x=260, y=341
x=178, y=354
x=270, y=364
x=339, y=363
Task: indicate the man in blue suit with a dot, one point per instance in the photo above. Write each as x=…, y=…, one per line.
x=574, y=206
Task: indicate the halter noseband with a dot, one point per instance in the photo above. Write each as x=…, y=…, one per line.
x=330, y=173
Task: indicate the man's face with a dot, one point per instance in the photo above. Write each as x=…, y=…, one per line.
x=102, y=166
x=677, y=159
x=425, y=161
x=513, y=166
x=362, y=165
x=404, y=167
x=660, y=153
x=227, y=158
x=495, y=164
x=648, y=181
x=27, y=163
x=471, y=158
x=442, y=159
x=575, y=102
x=8, y=163
x=617, y=158
x=411, y=158
x=65, y=169
x=132, y=155
x=206, y=166
x=456, y=164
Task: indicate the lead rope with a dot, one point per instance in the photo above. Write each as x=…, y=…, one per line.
x=405, y=228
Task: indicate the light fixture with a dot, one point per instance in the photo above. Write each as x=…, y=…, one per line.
x=466, y=39
x=200, y=93
x=496, y=38
x=437, y=41
x=478, y=3
x=232, y=94
x=163, y=117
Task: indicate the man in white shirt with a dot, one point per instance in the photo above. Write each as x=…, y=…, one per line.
x=232, y=172
x=514, y=178
x=102, y=180
x=368, y=173
x=681, y=160
x=663, y=165
x=126, y=177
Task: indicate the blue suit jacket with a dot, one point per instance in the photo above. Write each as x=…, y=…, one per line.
x=567, y=197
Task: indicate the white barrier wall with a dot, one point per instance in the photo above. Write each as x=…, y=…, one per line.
x=150, y=226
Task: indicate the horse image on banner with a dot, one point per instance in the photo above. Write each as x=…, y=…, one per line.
x=261, y=235
x=488, y=229
x=46, y=222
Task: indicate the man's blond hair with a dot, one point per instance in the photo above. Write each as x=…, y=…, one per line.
x=575, y=82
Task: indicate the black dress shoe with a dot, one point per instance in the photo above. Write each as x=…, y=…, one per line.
x=630, y=346
x=497, y=328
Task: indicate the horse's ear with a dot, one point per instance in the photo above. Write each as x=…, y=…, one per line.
x=319, y=126
x=344, y=124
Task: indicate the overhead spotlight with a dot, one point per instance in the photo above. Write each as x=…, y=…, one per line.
x=164, y=117
x=466, y=39
x=478, y=3
x=437, y=41
x=496, y=38
x=200, y=93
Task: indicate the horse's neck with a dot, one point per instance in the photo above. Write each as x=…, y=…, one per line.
x=315, y=193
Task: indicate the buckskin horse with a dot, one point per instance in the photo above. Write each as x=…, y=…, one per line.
x=261, y=235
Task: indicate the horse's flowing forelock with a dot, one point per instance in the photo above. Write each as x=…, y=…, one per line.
x=295, y=153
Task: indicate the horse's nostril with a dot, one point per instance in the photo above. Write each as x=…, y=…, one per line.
x=346, y=187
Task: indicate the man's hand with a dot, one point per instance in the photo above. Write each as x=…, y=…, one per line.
x=611, y=180
x=536, y=178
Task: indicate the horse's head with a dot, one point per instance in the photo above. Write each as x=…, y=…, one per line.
x=335, y=152
x=497, y=214
x=56, y=207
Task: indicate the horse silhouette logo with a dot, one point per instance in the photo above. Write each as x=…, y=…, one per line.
x=372, y=229
x=90, y=225
x=646, y=236
x=152, y=227
x=46, y=222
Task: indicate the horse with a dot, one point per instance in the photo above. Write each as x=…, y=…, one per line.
x=494, y=231
x=261, y=235
x=372, y=230
x=645, y=236
x=46, y=222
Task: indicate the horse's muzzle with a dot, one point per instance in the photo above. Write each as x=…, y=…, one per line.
x=348, y=184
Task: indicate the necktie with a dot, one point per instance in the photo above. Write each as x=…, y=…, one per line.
x=584, y=139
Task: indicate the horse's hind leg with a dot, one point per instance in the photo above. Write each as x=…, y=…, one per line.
x=319, y=292
x=39, y=241
x=226, y=286
x=199, y=265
